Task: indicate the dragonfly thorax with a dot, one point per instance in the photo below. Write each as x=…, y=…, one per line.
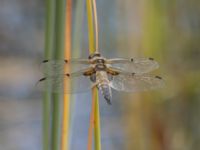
x=100, y=67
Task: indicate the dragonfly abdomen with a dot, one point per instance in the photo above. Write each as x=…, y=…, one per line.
x=103, y=85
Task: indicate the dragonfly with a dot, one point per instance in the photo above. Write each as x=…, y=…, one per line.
x=81, y=75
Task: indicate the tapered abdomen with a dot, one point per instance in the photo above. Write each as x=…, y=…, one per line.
x=103, y=85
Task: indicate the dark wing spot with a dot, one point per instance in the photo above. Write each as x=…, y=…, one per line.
x=158, y=77
x=151, y=58
x=45, y=61
x=67, y=74
x=42, y=79
x=66, y=61
x=131, y=59
x=132, y=74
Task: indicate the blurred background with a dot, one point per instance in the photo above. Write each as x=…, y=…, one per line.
x=166, y=119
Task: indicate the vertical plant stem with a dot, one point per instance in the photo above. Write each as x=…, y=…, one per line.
x=66, y=100
x=92, y=49
x=55, y=121
x=77, y=28
x=91, y=126
x=97, y=127
x=59, y=29
x=58, y=54
x=96, y=26
x=76, y=50
x=49, y=46
x=90, y=26
x=154, y=27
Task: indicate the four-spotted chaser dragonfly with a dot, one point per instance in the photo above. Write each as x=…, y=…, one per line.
x=129, y=75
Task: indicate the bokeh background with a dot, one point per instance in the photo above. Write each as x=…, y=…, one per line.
x=166, y=119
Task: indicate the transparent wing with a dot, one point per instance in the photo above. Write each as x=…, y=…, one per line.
x=66, y=83
x=135, y=82
x=136, y=65
x=54, y=67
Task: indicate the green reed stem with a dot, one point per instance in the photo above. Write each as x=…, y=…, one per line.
x=49, y=46
x=58, y=54
x=93, y=47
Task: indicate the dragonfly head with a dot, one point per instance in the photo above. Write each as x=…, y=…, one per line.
x=91, y=56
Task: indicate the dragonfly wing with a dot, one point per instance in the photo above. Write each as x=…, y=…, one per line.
x=66, y=83
x=135, y=82
x=54, y=67
x=136, y=65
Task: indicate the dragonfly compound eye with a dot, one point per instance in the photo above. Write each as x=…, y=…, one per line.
x=94, y=55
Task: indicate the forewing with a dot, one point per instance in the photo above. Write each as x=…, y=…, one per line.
x=133, y=82
x=66, y=83
x=55, y=67
x=136, y=65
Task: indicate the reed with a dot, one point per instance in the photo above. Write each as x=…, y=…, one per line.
x=153, y=43
x=66, y=100
x=93, y=47
x=58, y=54
x=49, y=47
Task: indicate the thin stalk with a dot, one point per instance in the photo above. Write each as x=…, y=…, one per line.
x=76, y=49
x=91, y=126
x=154, y=28
x=90, y=26
x=77, y=28
x=49, y=46
x=95, y=100
x=66, y=100
x=55, y=122
x=97, y=127
x=58, y=54
x=96, y=25
x=154, y=42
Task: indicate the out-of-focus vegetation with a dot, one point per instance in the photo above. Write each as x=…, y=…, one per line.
x=166, y=119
